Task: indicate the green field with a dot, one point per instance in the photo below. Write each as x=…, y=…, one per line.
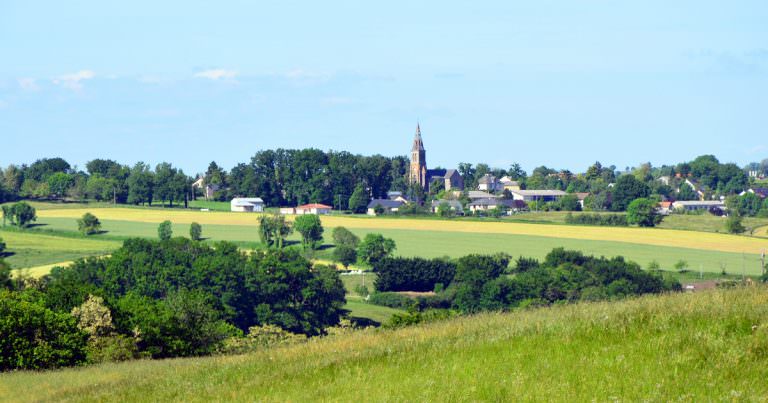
x=709, y=346
x=410, y=242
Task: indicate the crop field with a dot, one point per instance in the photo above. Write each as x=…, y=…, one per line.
x=30, y=249
x=708, y=346
x=709, y=252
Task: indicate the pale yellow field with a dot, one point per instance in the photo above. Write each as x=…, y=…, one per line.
x=648, y=236
x=38, y=271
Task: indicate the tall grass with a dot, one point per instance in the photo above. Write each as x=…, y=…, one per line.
x=691, y=347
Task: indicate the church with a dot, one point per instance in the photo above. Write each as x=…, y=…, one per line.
x=419, y=173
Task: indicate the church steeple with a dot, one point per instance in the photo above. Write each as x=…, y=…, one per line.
x=418, y=172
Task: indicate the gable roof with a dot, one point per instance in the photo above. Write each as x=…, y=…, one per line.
x=538, y=192
x=386, y=203
x=479, y=194
x=314, y=205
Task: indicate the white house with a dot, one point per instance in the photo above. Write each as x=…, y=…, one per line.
x=247, y=204
x=694, y=205
x=537, y=195
x=314, y=208
x=489, y=183
x=389, y=206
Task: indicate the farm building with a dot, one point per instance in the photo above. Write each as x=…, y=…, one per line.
x=313, y=208
x=389, y=206
x=247, y=204
x=537, y=195
x=494, y=202
x=694, y=205
x=479, y=194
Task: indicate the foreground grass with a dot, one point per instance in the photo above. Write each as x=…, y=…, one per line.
x=691, y=347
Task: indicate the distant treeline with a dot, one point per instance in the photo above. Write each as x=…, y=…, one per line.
x=339, y=178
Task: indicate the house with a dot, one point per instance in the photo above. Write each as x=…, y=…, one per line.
x=694, y=205
x=696, y=188
x=389, y=206
x=313, y=208
x=479, y=194
x=247, y=204
x=762, y=192
x=666, y=180
x=287, y=210
x=508, y=183
x=208, y=189
x=398, y=196
x=450, y=178
x=455, y=205
x=489, y=183
x=495, y=202
x=544, y=195
x=665, y=208
x=581, y=196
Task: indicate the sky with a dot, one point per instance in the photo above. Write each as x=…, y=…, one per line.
x=555, y=83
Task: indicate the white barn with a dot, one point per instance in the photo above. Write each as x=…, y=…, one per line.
x=247, y=204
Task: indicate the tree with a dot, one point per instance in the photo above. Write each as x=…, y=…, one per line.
x=195, y=231
x=34, y=337
x=643, y=212
x=444, y=209
x=358, y=202
x=140, y=184
x=569, y=202
x=311, y=230
x=734, y=224
x=20, y=214
x=273, y=230
x=165, y=230
x=375, y=247
x=88, y=224
x=686, y=192
x=343, y=236
x=681, y=265
x=345, y=254
x=59, y=183
x=628, y=188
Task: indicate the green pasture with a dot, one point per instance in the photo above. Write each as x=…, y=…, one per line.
x=424, y=243
x=707, y=346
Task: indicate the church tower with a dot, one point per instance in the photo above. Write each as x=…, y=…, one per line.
x=418, y=173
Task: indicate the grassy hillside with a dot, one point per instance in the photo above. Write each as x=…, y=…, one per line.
x=691, y=347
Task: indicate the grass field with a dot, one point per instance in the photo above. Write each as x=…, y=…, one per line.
x=709, y=346
x=31, y=249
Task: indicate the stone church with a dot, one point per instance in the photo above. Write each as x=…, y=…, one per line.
x=423, y=176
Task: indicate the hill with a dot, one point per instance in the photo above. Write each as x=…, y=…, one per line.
x=693, y=347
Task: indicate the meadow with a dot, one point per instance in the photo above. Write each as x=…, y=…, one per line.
x=705, y=251
x=708, y=346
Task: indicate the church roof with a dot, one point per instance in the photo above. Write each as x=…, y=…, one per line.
x=418, y=145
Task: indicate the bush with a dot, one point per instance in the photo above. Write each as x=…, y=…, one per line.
x=165, y=230
x=88, y=224
x=195, y=231
x=343, y=236
x=391, y=299
x=412, y=274
x=20, y=214
x=34, y=337
x=616, y=220
x=733, y=224
x=642, y=212
x=374, y=248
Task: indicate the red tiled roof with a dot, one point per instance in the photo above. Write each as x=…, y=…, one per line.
x=315, y=205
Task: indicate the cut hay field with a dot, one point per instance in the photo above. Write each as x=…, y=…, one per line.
x=708, y=346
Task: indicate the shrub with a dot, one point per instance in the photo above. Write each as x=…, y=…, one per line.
x=20, y=214
x=343, y=236
x=88, y=224
x=616, y=220
x=642, y=212
x=362, y=290
x=165, y=231
x=412, y=274
x=374, y=248
x=734, y=224
x=259, y=338
x=390, y=299
x=34, y=337
x=195, y=231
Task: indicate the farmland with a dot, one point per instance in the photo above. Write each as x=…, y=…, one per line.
x=693, y=347
x=705, y=251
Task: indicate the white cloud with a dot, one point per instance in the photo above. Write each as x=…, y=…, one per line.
x=73, y=81
x=217, y=74
x=28, y=84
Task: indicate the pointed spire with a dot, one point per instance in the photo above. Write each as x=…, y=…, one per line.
x=418, y=145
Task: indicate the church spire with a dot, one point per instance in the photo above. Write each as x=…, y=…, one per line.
x=418, y=145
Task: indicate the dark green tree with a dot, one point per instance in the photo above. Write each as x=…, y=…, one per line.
x=375, y=247
x=359, y=199
x=20, y=214
x=343, y=236
x=627, y=188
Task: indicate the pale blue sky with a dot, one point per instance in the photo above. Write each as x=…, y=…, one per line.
x=560, y=83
